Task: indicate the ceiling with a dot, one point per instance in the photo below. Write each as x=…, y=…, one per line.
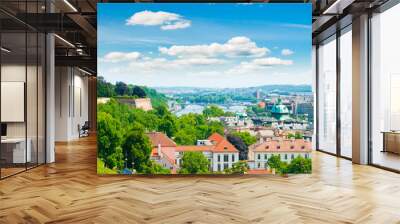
x=75, y=22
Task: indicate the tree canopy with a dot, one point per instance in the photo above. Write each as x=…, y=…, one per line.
x=246, y=137
x=194, y=163
x=239, y=145
x=213, y=111
x=137, y=147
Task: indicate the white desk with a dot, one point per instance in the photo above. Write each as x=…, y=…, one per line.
x=19, y=155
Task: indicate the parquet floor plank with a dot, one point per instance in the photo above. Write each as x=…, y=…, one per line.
x=70, y=191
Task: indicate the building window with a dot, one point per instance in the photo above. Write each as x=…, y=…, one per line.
x=306, y=156
x=226, y=166
x=278, y=147
x=327, y=96
x=346, y=91
x=258, y=165
x=265, y=156
x=285, y=156
x=266, y=165
x=292, y=156
x=292, y=147
x=267, y=147
x=259, y=156
x=233, y=157
x=219, y=167
x=226, y=158
x=219, y=158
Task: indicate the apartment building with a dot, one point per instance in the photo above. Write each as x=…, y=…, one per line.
x=220, y=153
x=287, y=150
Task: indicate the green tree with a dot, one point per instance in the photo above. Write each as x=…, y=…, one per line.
x=138, y=148
x=167, y=125
x=194, y=163
x=116, y=159
x=298, y=135
x=240, y=167
x=213, y=111
x=274, y=162
x=109, y=138
x=138, y=91
x=300, y=165
x=184, y=138
x=102, y=169
x=215, y=127
x=290, y=135
x=104, y=89
x=121, y=89
x=239, y=145
x=283, y=169
x=246, y=137
x=154, y=168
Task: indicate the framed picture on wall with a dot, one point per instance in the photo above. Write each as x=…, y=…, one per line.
x=204, y=89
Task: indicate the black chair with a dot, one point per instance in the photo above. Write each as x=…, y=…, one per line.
x=84, y=130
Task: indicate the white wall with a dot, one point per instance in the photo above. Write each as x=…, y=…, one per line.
x=71, y=102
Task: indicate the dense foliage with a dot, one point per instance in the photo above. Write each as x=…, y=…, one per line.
x=242, y=141
x=239, y=145
x=300, y=165
x=246, y=137
x=121, y=89
x=194, y=163
x=122, y=141
x=257, y=111
x=240, y=167
x=296, y=135
x=297, y=165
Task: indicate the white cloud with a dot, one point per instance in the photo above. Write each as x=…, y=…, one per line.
x=258, y=64
x=177, y=25
x=148, y=64
x=166, y=20
x=117, y=56
x=299, y=26
x=287, y=52
x=236, y=46
x=271, y=61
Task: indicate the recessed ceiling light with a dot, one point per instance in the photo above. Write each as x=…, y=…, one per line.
x=70, y=5
x=84, y=71
x=5, y=50
x=64, y=40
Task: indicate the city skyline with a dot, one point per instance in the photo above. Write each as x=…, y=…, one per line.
x=170, y=45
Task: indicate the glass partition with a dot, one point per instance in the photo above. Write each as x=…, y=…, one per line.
x=385, y=89
x=346, y=92
x=22, y=88
x=13, y=94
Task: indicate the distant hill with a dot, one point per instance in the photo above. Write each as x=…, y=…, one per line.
x=264, y=88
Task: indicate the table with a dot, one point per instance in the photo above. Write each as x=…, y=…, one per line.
x=391, y=141
x=13, y=150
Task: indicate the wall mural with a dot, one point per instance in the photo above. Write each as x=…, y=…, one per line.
x=204, y=89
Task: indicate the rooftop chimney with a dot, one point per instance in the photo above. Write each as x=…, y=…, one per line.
x=159, y=150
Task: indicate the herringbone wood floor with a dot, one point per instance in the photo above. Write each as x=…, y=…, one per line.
x=69, y=191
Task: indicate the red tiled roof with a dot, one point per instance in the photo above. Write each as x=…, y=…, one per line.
x=195, y=148
x=297, y=145
x=160, y=138
x=168, y=152
x=216, y=137
x=221, y=144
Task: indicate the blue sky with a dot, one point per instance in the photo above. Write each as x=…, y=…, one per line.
x=205, y=45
